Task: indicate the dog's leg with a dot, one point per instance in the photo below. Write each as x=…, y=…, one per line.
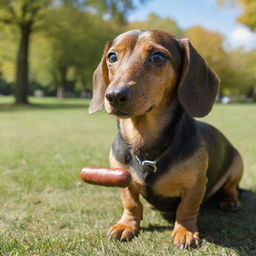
x=128, y=226
x=185, y=231
x=230, y=187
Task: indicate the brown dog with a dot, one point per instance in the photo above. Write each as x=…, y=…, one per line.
x=155, y=84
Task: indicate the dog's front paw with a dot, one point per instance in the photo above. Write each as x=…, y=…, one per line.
x=184, y=239
x=122, y=232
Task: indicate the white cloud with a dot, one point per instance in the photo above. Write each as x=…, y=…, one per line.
x=241, y=37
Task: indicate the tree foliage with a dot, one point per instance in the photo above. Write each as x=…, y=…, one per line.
x=209, y=44
x=24, y=15
x=76, y=40
x=22, y=12
x=71, y=35
x=153, y=21
x=112, y=8
x=28, y=16
x=232, y=67
x=248, y=17
x=8, y=52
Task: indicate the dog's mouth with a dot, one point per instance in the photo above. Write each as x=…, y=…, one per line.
x=121, y=113
x=124, y=114
x=150, y=108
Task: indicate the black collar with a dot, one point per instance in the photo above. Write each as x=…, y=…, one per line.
x=179, y=140
x=148, y=160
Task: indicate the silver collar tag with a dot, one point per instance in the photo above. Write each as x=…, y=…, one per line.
x=147, y=163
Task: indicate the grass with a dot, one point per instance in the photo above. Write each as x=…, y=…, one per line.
x=46, y=210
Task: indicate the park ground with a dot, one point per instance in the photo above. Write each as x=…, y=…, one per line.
x=45, y=210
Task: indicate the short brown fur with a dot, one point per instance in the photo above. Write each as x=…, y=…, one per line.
x=184, y=80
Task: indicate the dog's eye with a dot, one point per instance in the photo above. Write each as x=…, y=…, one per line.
x=158, y=58
x=112, y=57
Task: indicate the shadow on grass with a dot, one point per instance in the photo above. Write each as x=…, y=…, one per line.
x=46, y=106
x=236, y=230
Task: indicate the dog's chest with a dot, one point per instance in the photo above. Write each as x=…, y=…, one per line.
x=167, y=181
x=160, y=190
x=165, y=188
x=175, y=168
x=162, y=194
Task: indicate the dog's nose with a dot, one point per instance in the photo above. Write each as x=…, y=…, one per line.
x=118, y=96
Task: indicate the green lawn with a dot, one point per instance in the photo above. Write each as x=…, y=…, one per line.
x=46, y=210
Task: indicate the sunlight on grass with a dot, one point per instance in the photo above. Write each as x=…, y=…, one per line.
x=46, y=210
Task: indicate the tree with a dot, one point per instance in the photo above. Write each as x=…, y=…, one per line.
x=7, y=53
x=209, y=45
x=25, y=16
x=153, y=21
x=97, y=34
x=235, y=68
x=242, y=67
x=110, y=8
x=88, y=40
x=247, y=62
x=76, y=39
x=248, y=17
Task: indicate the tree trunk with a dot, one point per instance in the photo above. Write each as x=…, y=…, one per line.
x=61, y=90
x=21, y=83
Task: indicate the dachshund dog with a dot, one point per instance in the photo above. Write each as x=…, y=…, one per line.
x=155, y=84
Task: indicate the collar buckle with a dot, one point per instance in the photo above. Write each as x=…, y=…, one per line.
x=145, y=163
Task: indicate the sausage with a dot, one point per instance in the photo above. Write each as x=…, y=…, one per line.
x=109, y=177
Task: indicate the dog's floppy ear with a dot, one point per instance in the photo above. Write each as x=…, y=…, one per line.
x=100, y=82
x=198, y=84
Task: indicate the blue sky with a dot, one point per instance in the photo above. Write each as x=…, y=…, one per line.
x=205, y=13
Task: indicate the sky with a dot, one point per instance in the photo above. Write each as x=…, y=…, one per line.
x=205, y=13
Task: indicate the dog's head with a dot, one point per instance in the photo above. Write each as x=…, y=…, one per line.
x=142, y=70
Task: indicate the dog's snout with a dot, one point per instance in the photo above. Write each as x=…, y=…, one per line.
x=119, y=95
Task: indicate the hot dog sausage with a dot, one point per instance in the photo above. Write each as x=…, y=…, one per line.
x=109, y=177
